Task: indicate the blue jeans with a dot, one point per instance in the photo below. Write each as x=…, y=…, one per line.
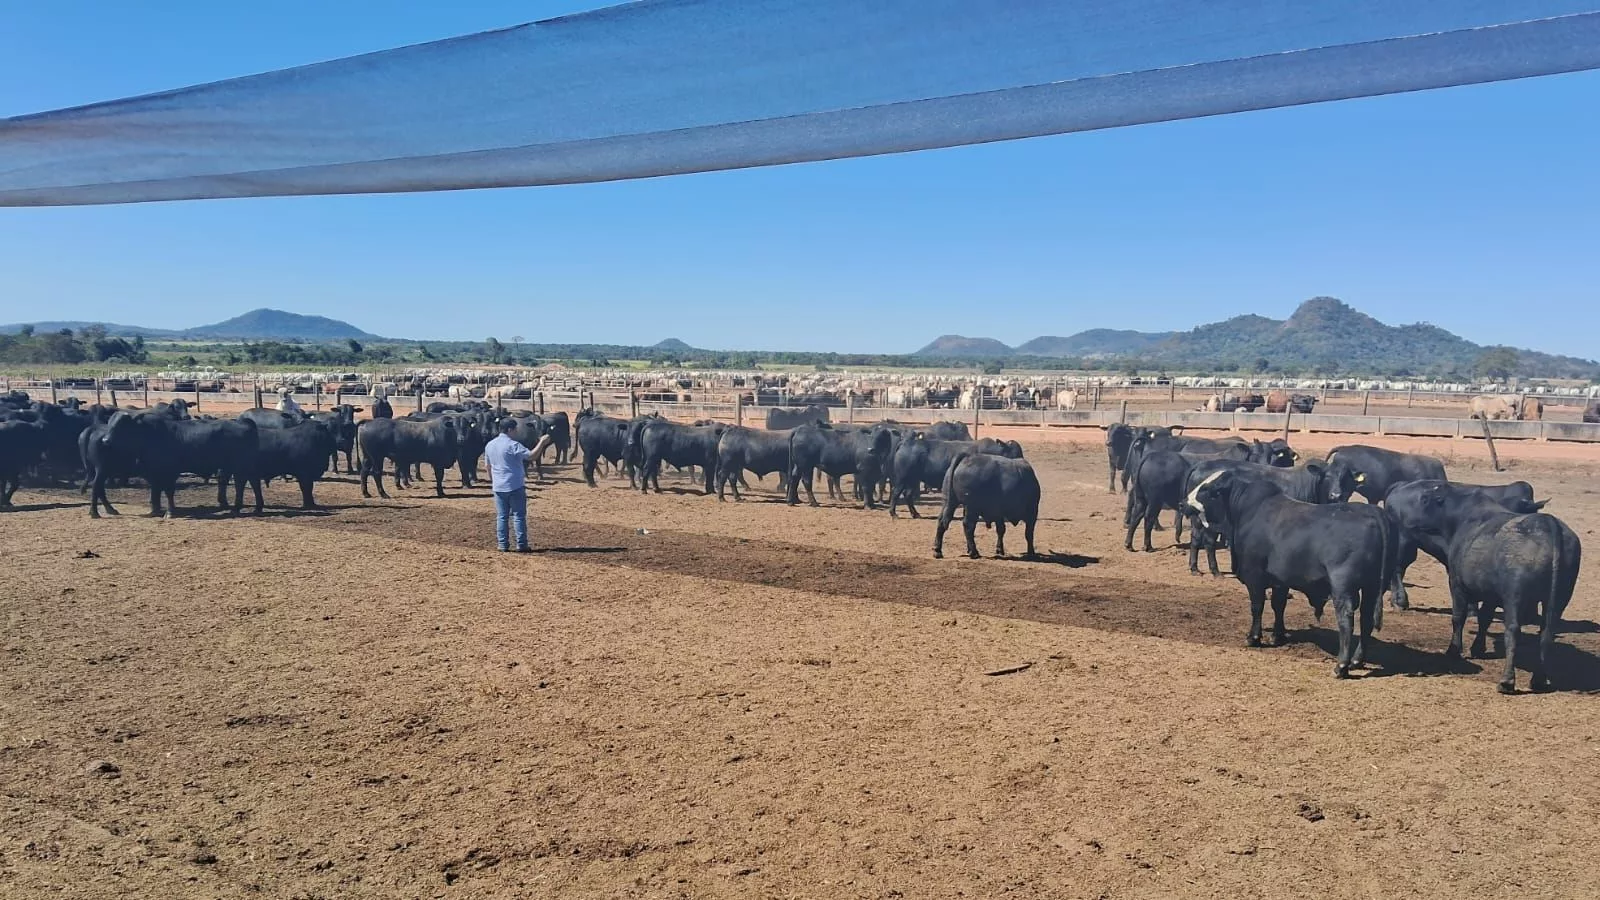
x=513, y=504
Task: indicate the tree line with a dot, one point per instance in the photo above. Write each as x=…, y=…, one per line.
x=91, y=345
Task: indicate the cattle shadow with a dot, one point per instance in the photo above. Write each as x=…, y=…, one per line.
x=1069, y=560
x=1571, y=668
x=1392, y=657
x=1568, y=626
x=40, y=507
x=580, y=550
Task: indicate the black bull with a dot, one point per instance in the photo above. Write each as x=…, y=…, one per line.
x=1341, y=551
x=661, y=441
x=994, y=490
x=861, y=453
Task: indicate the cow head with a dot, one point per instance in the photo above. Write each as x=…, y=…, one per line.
x=1209, y=500
x=1334, y=485
x=1339, y=481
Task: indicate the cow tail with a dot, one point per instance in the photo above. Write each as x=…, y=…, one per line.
x=950, y=474
x=1385, y=572
x=357, y=441
x=1549, y=621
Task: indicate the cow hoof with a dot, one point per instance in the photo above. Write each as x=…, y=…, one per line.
x=1400, y=602
x=1341, y=671
x=938, y=554
x=1253, y=640
x=1507, y=687
x=973, y=554
x=1479, y=651
x=1453, y=652
x=1278, y=640
x=93, y=514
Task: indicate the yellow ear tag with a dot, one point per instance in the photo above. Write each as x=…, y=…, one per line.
x=1361, y=478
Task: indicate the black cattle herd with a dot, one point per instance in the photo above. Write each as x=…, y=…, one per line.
x=1285, y=522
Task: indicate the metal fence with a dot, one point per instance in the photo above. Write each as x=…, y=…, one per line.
x=623, y=404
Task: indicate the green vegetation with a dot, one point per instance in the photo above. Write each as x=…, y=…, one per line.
x=92, y=345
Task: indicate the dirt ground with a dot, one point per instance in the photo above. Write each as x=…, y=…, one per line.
x=681, y=698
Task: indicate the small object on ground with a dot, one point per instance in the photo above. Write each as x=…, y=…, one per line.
x=86, y=554
x=1011, y=670
x=641, y=531
x=105, y=768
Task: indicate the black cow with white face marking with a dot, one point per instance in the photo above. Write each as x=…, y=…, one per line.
x=1307, y=483
x=1341, y=551
x=1521, y=564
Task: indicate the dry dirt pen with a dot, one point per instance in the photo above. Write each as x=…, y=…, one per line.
x=749, y=700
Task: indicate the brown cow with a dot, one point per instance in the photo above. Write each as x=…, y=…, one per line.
x=1531, y=409
x=1277, y=401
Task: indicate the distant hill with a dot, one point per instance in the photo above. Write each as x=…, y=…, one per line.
x=1096, y=342
x=1324, y=334
x=257, y=324
x=120, y=330
x=275, y=324
x=954, y=345
x=673, y=345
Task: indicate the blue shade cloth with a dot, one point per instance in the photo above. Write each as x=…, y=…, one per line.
x=664, y=87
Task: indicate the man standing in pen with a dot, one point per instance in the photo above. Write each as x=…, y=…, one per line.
x=508, y=461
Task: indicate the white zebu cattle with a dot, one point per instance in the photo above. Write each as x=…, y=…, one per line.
x=1488, y=406
x=1067, y=399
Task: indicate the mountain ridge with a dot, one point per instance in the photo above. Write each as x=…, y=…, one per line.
x=1323, y=334
x=257, y=324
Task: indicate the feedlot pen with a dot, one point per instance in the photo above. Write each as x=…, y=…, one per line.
x=680, y=698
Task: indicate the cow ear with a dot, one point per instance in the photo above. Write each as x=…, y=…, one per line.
x=1539, y=504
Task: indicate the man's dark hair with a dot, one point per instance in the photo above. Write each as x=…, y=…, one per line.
x=508, y=425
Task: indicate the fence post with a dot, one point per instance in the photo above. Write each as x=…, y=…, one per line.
x=419, y=401
x=1494, y=458
x=1095, y=404
x=738, y=409
x=977, y=407
x=147, y=393
x=316, y=396
x=1122, y=416
x=1366, y=398
x=1288, y=413
x=1410, y=392
x=850, y=407
x=633, y=404
x=257, y=393
x=53, y=399
x=1172, y=392
x=197, y=393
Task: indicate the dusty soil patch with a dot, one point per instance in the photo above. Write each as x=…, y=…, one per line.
x=748, y=700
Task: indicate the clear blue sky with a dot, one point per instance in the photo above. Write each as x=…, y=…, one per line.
x=1477, y=209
